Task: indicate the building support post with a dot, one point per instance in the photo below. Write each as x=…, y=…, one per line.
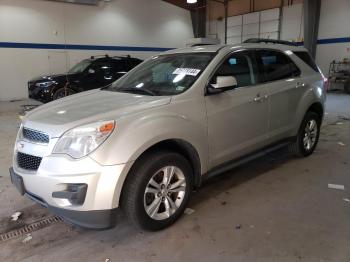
x=226, y=16
x=198, y=17
x=225, y=3
x=312, y=9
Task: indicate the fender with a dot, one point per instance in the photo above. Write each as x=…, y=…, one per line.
x=131, y=139
x=144, y=131
x=314, y=95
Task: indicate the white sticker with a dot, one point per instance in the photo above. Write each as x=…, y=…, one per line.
x=186, y=71
x=180, y=88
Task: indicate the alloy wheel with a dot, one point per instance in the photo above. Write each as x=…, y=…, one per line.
x=165, y=193
x=310, y=134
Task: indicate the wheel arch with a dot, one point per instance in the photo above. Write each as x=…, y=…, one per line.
x=66, y=84
x=180, y=146
x=316, y=107
x=184, y=148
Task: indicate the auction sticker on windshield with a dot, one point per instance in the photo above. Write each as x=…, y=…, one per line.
x=186, y=71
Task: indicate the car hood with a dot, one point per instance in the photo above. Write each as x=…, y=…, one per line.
x=58, y=78
x=61, y=115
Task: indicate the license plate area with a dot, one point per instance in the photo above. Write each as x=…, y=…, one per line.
x=17, y=181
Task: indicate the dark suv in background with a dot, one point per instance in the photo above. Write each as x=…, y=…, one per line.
x=89, y=74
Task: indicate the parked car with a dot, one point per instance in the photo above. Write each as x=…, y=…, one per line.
x=89, y=74
x=145, y=142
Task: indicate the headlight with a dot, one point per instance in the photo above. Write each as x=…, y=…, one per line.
x=45, y=84
x=81, y=141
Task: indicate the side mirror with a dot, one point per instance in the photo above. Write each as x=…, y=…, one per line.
x=223, y=83
x=91, y=71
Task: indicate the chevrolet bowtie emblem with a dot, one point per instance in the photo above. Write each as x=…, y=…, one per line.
x=20, y=145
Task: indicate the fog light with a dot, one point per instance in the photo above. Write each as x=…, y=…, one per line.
x=75, y=193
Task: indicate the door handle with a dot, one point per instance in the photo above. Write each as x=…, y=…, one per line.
x=259, y=98
x=299, y=84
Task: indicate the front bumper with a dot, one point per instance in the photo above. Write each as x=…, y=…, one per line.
x=51, y=186
x=42, y=94
x=93, y=219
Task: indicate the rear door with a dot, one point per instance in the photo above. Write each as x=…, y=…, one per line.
x=284, y=89
x=119, y=67
x=237, y=119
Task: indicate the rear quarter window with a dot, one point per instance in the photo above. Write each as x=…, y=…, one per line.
x=276, y=66
x=305, y=56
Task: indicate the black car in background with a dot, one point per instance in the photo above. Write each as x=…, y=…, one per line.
x=92, y=73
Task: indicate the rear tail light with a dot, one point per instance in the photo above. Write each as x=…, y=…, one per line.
x=325, y=83
x=325, y=80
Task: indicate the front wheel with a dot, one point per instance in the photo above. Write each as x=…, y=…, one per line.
x=307, y=138
x=157, y=190
x=63, y=92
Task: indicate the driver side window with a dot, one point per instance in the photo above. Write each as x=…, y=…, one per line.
x=242, y=66
x=104, y=72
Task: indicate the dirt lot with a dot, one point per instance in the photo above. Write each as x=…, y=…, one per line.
x=277, y=208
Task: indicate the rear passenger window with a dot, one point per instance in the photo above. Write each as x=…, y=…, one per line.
x=305, y=56
x=242, y=66
x=276, y=65
x=133, y=63
x=119, y=65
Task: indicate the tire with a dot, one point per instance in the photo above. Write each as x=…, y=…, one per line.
x=347, y=87
x=62, y=92
x=135, y=200
x=299, y=147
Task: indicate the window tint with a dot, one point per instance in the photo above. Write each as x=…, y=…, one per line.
x=119, y=66
x=276, y=65
x=305, y=56
x=132, y=62
x=104, y=71
x=80, y=67
x=240, y=65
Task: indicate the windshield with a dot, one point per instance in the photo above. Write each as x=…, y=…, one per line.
x=80, y=67
x=164, y=75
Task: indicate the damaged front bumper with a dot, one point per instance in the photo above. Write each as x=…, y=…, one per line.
x=92, y=219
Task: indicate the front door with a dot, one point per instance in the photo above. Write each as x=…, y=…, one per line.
x=237, y=119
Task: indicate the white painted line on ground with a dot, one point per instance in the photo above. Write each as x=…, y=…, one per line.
x=334, y=186
x=189, y=211
x=15, y=216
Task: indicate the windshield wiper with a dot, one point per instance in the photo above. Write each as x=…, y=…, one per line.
x=137, y=90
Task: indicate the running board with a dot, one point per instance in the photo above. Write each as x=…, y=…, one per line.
x=243, y=160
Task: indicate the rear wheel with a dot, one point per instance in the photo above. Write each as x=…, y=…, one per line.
x=63, y=92
x=308, y=135
x=157, y=190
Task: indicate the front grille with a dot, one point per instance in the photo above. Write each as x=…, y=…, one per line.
x=28, y=162
x=35, y=136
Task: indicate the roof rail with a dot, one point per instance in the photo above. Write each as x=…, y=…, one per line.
x=107, y=56
x=99, y=56
x=121, y=56
x=272, y=41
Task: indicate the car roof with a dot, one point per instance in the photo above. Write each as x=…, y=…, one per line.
x=226, y=48
x=107, y=58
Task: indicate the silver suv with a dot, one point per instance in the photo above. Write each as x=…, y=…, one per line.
x=146, y=141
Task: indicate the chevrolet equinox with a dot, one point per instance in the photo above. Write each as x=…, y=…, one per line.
x=143, y=143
